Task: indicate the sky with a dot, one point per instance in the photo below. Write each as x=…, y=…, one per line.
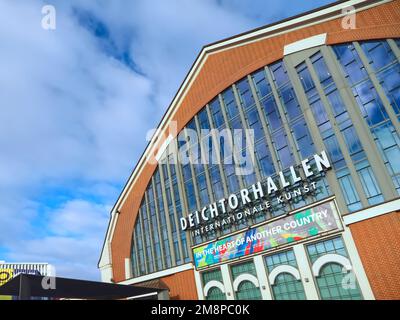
x=77, y=102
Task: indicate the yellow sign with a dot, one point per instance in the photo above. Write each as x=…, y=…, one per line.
x=6, y=275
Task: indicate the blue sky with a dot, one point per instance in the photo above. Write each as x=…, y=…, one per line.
x=76, y=104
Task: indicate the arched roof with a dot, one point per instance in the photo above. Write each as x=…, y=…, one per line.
x=219, y=65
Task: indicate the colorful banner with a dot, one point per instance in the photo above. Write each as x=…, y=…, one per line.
x=299, y=226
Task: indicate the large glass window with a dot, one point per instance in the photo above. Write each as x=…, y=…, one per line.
x=214, y=293
x=203, y=120
x=189, y=187
x=216, y=182
x=231, y=178
x=289, y=100
x=328, y=135
x=379, y=53
x=246, y=97
x=279, y=73
x=231, y=106
x=134, y=253
x=162, y=220
x=334, y=281
x=154, y=228
x=234, y=122
x=246, y=289
x=371, y=105
x=387, y=69
x=286, y=286
x=140, y=249
x=262, y=154
x=147, y=240
x=172, y=217
x=282, y=148
x=272, y=114
x=261, y=84
x=353, y=68
x=178, y=207
x=345, y=125
x=390, y=81
x=293, y=113
x=303, y=140
x=252, y=121
x=264, y=159
x=216, y=114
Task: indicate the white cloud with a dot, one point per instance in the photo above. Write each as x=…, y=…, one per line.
x=74, y=113
x=73, y=235
x=16, y=217
x=69, y=113
x=70, y=108
x=165, y=37
x=78, y=217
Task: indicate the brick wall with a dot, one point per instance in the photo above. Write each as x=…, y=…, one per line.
x=378, y=244
x=181, y=285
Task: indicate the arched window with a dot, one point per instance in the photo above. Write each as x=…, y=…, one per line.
x=335, y=283
x=333, y=270
x=248, y=291
x=287, y=287
x=284, y=276
x=215, y=294
x=245, y=281
x=213, y=285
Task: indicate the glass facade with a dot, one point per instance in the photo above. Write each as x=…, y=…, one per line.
x=332, y=113
x=373, y=109
x=246, y=290
x=214, y=293
x=334, y=281
x=295, y=111
x=286, y=286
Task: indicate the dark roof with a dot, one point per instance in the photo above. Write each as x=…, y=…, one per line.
x=26, y=286
x=156, y=283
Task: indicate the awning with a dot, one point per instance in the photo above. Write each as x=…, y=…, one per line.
x=155, y=283
x=26, y=286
